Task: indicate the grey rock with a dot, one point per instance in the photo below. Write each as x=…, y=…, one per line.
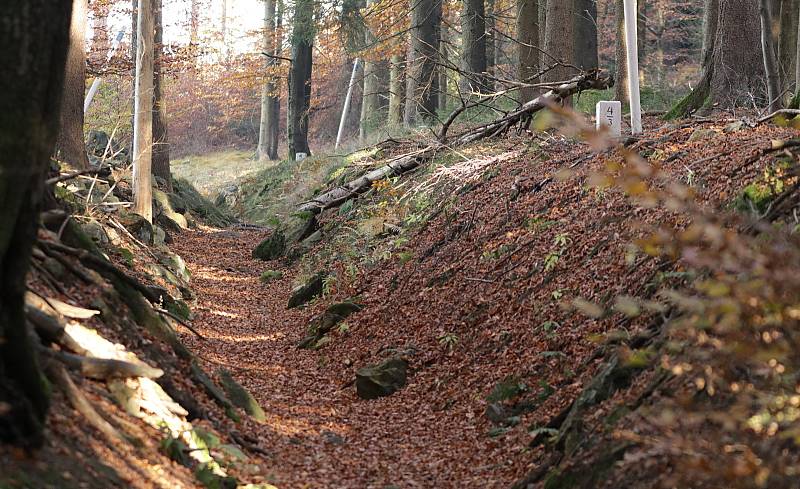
x=381, y=380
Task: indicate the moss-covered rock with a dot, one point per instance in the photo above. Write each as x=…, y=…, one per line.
x=381, y=380
x=138, y=226
x=270, y=275
x=271, y=248
x=241, y=397
x=322, y=324
x=308, y=291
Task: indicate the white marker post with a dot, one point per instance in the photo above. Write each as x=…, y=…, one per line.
x=631, y=42
x=609, y=114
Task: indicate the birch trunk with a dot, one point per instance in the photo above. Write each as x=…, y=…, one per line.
x=266, y=148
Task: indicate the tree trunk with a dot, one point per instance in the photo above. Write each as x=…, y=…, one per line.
x=559, y=39
x=787, y=48
x=768, y=54
x=300, y=78
x=275, y=123
x=421, y=96
x=585, y=52
x=641, y=29
x=35, y=35
x=620, y=62
x=395, y=118
x=491, y=56
x=70, y=146
x=528, y=37
x=544, y=60
x=444, y=35
x=738, y=75
x=161, y=166
x=224, y=32
x=143, y=114
x=266, y=148
x=194, y=22
x=473, y=46
x=370, y=104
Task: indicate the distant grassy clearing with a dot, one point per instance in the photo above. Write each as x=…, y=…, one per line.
x=212, y=172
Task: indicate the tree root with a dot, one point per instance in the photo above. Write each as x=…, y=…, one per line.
x=62, y=379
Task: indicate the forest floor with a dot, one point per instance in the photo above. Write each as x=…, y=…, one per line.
x=465, y=304
x=477, y=269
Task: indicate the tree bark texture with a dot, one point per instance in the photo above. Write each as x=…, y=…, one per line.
x=769, y=57
x=70, y=146
x=585, y=52
x=35, y=36
x=421, y=96
x=266, y=148
x=787, y=47
x=559, y=39
x=300, y=78
x=395, y=117
x=738, y=76
x=620, y=61
x=370, y=104
x=143, y=113
x=473, y=46
x=161, y=166
x=528, y=29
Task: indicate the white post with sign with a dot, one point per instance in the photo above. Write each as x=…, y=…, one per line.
x=631, y=43
x=609, y=114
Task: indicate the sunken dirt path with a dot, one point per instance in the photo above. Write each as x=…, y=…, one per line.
x=318, y=433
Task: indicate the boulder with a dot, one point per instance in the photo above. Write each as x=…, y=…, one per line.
x=308, y=291
x=159, y=236
x=271, y=248
x=95, y=231
x=270, y=275
x=228, y=196
x=322, y=324
x=168, y=212
x=137, y=226
x=381, y=380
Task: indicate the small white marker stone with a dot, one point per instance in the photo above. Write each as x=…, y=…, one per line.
x=609, y=114
x=300, y=156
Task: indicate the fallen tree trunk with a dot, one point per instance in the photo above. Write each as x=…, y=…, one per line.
x=336, y=196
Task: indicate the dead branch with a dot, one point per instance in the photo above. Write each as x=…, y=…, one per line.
x=336, y=196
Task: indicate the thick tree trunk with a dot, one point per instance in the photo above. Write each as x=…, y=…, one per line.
x=161, y=166
x=70, y=146
x=527, y=47
x=300, y=78
x=738, y=75
x=395, y=117
x=143, y=114
x=473, y=46
x=421, y=96
x=370, y=104
x=35, y=36
x=787, y=48
x=620, y=62
x=266, y=148
x=769, y=57
x=559, y=38
x=585, y=52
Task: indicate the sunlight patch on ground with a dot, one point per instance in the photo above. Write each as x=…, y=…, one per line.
x=212, y=172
